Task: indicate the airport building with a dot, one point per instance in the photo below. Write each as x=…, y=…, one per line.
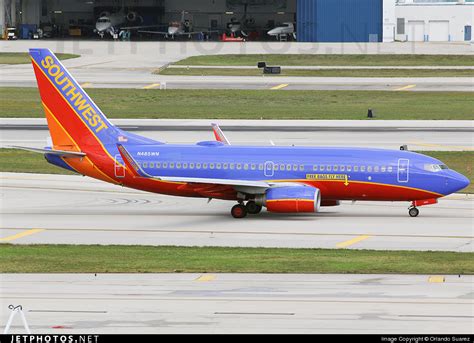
x=314, y=20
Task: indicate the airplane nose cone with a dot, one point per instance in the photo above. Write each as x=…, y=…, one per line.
x=172, y=30
x=271, y=32
x=457, y=182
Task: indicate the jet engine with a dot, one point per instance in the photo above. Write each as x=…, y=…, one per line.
x=291, y=199
x=133, y=17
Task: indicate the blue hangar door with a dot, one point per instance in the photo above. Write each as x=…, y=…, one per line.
x=339, y=20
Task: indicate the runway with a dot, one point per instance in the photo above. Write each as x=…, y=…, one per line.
x=418, y=135
x=239, y=303
x=136, y=78
x=75, y=210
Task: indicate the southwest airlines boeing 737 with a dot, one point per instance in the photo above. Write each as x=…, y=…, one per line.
x=282, y=179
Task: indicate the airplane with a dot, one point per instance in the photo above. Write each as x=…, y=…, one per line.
x=284, y=179
x=179, y=28
x=111, y=22
x=287, y=29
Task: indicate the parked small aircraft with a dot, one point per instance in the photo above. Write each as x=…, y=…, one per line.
x=286, y=29
x=179, y=28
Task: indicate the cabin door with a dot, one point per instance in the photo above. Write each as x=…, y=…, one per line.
x=269, y=169
x=403, y=170
x=119, y=166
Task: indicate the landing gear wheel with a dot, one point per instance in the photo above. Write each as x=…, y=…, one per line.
x=413, y=212
x=253, y=208
x=239, y=211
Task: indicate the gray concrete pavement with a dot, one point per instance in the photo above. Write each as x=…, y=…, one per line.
x=239, y=303
x=419, y=135
x=106, y=64
x=76, y=210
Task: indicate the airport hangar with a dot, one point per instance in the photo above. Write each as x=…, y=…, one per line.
x=316, y=20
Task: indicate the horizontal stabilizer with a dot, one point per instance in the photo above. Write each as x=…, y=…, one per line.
x=61, y=153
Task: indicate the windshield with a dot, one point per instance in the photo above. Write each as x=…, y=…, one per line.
x=435, y=167
x=104, y=20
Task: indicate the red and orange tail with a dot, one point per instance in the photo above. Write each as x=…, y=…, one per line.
x=74, y=120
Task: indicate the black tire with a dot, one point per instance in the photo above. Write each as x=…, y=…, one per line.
x=413, y=212
x=253, y=208
x=239, y=211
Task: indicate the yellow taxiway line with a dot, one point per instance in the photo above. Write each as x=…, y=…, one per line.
x=352, y=241
x=283, y=85
x=436, y=279
x=405, y=88
x=206, y=278
x=21, y=235
x=153, y=85
x=86, y=84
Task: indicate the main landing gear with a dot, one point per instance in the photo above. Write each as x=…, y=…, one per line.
x=241, y=210
x=413, y=211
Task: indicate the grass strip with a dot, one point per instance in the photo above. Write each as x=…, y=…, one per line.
x=167, y=259
x=329, y=60
x=255, y=104
x=24, y=57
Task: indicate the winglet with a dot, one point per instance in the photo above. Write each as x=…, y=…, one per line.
x=131, y=164
x=220, y=137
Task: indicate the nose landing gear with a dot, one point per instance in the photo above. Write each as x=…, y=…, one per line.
x=413, y=211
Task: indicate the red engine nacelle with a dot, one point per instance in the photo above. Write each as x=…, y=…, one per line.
x=291, y=199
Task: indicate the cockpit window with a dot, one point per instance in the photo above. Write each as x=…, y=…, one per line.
x=104, y=20
x=435, y=167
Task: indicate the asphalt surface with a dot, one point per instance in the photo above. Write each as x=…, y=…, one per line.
x=23, y=76
x=76, y=210
x=109, y=64
x=239, y=303
x=418, y=135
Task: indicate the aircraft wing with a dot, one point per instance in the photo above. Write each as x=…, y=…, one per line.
x=137, y=171
x=138, y=27
x=61, y=153
x=154, y=32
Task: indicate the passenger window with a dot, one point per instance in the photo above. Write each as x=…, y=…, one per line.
x=218, y=166
x=322, y=168
x=282, y=167
x=390, y=169
x=328, y=168
x=232, y=166
x=172, y=165
x=383, y=169
x=158, y=165
x=239, y=166
x=185, y=166
x=246, y=166
x=254, y=166
x=288, y=167
x=145, y=164
x=165, y=165
x=191, y=165
x=315, y=168
x=260, y=166
x=343, y=168
x=211, y=165
x=226, y=165
x=362, y=169
x=336, y=168
x=301, y=167
x=349, y=168
x=178, y=165
x=295, y=167
x=369, y=169
x=356, y=168
x=204, y=166
x=376, y=169
x=152, y=164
